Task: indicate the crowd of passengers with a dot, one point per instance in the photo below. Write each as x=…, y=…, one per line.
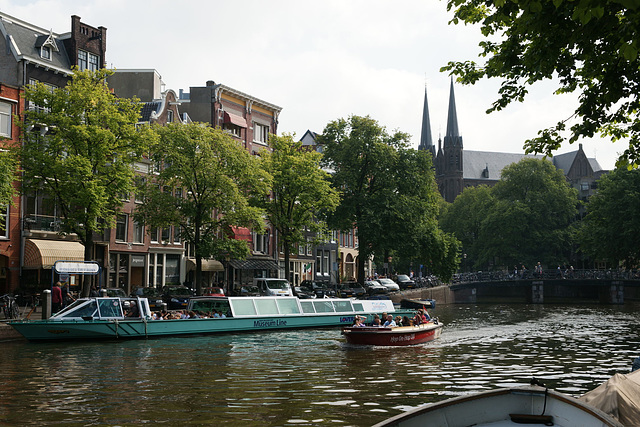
x=184, y=314
x=388, y=321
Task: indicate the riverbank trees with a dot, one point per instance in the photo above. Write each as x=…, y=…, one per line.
x=525, y=218
x=204, y=186
x=388, y=194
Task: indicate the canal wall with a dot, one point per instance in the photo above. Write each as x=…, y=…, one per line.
x=442, y=295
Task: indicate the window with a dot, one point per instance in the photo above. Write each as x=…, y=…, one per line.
x=45, y=52
x=176, y=234
x=93, y=62
x=169, y=116
x=260, y=133
x=82, y=60
x=301, y=249
x=4, y=222
x=260, y=242
x=139, y=197
x=166, y=234
x=232, y=129
x=138, y=232
x=32, y=105
x=121, y=228
x=88, y=61
x=5, y=119
x=154, y=235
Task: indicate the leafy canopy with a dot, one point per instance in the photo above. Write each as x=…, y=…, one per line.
x=611, y=228
x=301, y=192
x=205, y=185
x=80, y=146
x=590, y=47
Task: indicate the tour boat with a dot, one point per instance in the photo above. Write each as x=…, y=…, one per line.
x=506, y=407
x=392, y=336
x=106, y=317
x=418, y=303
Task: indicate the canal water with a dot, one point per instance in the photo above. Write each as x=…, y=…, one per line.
x=312, y=377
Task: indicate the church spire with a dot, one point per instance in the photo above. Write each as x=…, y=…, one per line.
x=452, y=137
x=426, y=143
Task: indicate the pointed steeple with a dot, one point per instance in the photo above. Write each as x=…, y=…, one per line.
x=426, y=143
x=452, y=137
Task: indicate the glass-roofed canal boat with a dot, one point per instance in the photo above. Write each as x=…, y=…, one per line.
x=108, y=318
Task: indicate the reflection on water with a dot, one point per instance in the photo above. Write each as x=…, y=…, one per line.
x=312, y=377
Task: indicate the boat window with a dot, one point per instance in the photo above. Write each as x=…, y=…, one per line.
x=343, y=306
x=357, y=306
x=109, y=307
x=288, y=306
x=267, y=306
x=243, y=307
x=307, y=307
x=69, y=308
x=323, y=307
x=82, y=310
x=207, y=306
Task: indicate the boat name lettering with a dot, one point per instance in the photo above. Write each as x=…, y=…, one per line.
x=400, y=338
x=269, y=323
x=347, y=319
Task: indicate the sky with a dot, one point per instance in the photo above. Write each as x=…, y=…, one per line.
x=319, y=61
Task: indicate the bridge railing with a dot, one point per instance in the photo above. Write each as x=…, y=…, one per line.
x=496, y=276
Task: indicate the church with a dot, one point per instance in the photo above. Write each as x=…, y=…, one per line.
x=457, y=168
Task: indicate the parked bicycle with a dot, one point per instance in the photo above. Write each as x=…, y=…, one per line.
x=9, y=306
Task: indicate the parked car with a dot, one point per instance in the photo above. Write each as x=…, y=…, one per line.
x=213, y=292
x=176, y=297
x=248, y=291
x=303, y=293
x=115, y=292
x=389, y=284
x=375, y=288
x=153, y=296
x=320, y=289
x=405, y=282
x=350, y=290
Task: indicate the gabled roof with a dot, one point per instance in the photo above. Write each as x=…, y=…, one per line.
x=25, y=41
x=150, y=109
x=309, y=138
x=565, y=161
x=475, y=163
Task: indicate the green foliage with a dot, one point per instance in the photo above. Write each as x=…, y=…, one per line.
x=302, y=193
x=205, y=185
x=388, y=193
x=79, y=150
x=525, y=218
x=591, y=48
x=611, y=228
x=9, y=168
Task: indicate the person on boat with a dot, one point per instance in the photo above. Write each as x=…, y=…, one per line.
x=399, y=321
x=390, y=323
x=132, y=309
x=376, y=321
x=358, y=322
x=406, y=321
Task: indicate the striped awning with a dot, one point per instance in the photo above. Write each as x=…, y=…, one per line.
x=44, y=253
x=207, y=265
x=253, y=264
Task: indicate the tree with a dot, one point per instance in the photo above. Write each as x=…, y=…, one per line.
x=9, y=167
x=205, y=186
x=464, y=218
x=590, y=47
x=531, y=217
x=610, y=229
x=301, y=193
x=80, y=145
x=388, y=191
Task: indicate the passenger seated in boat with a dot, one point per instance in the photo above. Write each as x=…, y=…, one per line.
x=132, y=309
x=376, y=321
x=390, y=323
x=420, y=318
x=406, y=321
x=358, y=323
x=399, y=321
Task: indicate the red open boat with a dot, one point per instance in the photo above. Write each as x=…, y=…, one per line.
x=403, y=335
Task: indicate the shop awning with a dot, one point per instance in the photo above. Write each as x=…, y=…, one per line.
x=234, y=119
x=254, y=264
x=44, y=253
x=207, y=265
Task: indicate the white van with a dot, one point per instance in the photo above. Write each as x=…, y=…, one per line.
x=273, y=287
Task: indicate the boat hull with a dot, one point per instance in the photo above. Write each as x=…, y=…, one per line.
x=416, y=304
x=399, y=336
x=506, y=407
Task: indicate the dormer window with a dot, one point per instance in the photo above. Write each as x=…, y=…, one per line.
x=45, y=52
x=46, y=45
